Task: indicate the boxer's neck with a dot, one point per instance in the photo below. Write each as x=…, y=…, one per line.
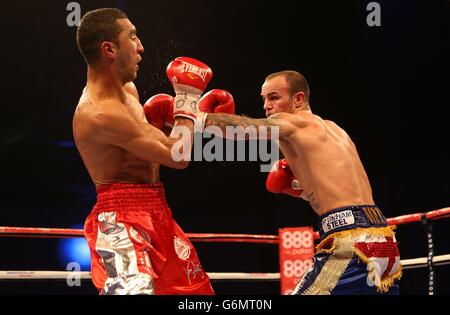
x=104, y=84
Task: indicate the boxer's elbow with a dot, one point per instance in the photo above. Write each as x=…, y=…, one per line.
x=179, y=160
x=173, y=163
x=181, y=165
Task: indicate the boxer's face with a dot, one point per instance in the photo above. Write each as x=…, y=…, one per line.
x=129, y=51
x=275, y=95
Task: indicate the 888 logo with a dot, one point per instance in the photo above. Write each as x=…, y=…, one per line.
x=297, y=239
x=295, y=268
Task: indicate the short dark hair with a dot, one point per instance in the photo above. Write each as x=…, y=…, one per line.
x=95, y=27
x=297, y=82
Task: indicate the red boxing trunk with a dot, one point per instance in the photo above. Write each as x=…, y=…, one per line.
x=137, y=247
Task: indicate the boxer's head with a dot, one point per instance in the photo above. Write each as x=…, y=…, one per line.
x=285, y=91
x=107, y=37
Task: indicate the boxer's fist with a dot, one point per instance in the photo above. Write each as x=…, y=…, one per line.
x=189, y=78
x=159, y=111
x=217, y=101
x=281, y=180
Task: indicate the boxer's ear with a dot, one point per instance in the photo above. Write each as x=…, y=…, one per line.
x=299, y=99
x=108, y=49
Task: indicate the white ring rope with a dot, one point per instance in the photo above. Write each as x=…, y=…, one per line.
x=422, y=262
x=45, y=275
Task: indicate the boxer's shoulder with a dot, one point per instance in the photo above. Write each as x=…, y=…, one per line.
x=130, y=88
x=94, y=115
x=297, y=120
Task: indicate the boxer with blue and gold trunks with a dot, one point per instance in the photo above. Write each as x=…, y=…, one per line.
x=357, y=253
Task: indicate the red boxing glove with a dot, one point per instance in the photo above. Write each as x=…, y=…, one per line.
x=281, y=180
x=189, y=78
x=217, y=101
x=159, y=111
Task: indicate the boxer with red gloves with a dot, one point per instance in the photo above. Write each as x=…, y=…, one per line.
x=358, y=253
x=136, y=246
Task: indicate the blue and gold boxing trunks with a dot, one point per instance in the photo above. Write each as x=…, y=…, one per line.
x=357, y=254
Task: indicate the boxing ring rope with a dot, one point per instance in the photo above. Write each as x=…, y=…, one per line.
x=30, y=232
x=61, y=275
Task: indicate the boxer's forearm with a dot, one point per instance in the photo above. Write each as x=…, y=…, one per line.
x=181, y=139
x=223, y=120
x=184, y=127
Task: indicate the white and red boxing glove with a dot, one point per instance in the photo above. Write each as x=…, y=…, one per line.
x=158, y=110
x=217, y=101
x=189, y=78
x=281, y=180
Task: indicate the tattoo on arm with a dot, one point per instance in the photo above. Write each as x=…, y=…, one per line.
x=223, y=120
x=313, y=202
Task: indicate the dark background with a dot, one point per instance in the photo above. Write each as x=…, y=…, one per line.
x=387, y=86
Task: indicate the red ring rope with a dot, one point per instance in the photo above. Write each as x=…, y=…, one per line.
x=6, y=231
